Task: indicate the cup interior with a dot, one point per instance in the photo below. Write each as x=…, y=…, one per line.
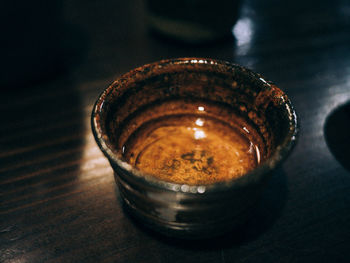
x=174, y=91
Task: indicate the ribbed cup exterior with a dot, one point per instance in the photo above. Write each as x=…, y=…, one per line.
x=194, y=211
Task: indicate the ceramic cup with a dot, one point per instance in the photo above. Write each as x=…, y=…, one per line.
x=198, y=209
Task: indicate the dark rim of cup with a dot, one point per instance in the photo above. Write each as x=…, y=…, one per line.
x=254, y=176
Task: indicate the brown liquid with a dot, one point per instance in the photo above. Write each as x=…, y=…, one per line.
x=191, y=149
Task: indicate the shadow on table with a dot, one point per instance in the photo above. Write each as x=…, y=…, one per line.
x=39, y=43
x=266, y=213
x=42, y=109
x=337, y=134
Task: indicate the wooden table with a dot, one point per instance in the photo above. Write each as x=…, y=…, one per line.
x=58, y=199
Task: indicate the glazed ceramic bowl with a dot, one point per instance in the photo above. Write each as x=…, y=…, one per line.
x=204, y=209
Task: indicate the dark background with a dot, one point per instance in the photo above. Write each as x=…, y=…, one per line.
x=58, y=199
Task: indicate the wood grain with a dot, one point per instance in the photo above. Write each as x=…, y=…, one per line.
x=58, y=199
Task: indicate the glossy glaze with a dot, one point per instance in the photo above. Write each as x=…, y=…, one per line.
x=190, y=207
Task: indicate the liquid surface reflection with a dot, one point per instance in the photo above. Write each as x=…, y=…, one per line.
x=191, y=150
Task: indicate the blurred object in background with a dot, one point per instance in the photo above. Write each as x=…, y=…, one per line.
x=193, y=21
x=336, y=131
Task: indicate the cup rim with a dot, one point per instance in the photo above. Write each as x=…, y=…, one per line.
x=280, y=153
